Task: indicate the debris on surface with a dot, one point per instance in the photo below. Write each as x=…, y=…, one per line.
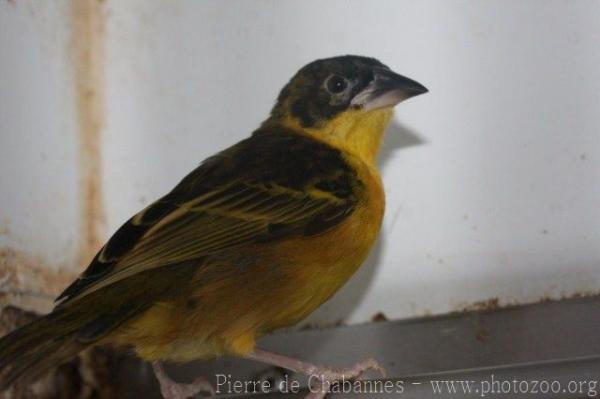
x=378, y=317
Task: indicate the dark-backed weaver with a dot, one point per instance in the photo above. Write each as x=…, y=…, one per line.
x=254, y=239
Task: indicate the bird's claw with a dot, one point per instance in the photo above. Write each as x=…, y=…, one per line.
x=173, y=390
x=329, y=376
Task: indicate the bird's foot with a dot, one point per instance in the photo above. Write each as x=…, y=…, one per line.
x=174, y=390
x=325, y=377
x=321, y=378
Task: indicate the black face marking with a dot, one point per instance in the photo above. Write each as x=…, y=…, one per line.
x=324, y=88
x=336, y=84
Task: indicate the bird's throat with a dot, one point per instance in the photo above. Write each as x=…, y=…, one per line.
x=354, y=131
x=357, y=132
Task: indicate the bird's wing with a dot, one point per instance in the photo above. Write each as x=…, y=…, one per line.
x=266, y=188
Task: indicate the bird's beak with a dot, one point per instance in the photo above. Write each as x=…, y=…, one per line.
x=386, y=90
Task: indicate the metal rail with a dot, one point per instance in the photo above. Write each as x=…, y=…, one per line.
x=551, y=341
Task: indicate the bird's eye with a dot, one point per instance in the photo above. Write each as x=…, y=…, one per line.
x=336, y=84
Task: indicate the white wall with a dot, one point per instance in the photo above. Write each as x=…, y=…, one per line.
x=39, y=193
x=493, y=178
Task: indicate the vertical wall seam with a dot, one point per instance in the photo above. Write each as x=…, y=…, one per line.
x=87, y=41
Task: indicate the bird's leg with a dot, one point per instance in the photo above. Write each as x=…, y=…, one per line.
x=173, y=390
x=322, y=376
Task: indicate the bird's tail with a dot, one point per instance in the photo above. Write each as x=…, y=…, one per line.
x=35, y=348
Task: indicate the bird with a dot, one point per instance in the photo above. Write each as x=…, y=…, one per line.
x=254, y=239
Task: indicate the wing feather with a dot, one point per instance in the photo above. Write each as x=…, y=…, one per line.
x=228, y=202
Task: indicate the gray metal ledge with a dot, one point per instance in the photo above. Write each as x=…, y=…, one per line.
x=545, y=342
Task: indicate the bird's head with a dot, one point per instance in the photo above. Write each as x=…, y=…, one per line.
x=346, y=100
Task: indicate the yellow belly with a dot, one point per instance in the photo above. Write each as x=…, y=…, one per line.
x=235, y=303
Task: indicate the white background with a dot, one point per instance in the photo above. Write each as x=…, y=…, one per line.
x=492, y=178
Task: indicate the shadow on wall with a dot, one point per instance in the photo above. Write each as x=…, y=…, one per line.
x=340, y=307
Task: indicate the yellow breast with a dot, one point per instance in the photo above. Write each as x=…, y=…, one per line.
x=232, y=306
x=322, y=264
